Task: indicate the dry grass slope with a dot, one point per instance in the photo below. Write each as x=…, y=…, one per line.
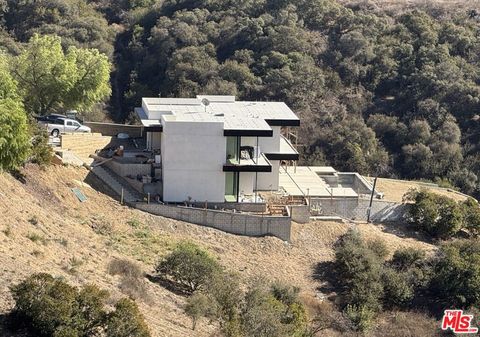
x=44, y=228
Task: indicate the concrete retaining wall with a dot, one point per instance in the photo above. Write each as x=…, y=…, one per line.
x=84, y=144
x=111, y=129
x=235, y=223
x=356, y=209
x=300, y=213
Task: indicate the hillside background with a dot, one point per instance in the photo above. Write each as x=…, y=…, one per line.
x=386, y=88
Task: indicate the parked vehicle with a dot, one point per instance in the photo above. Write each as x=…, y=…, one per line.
x=49, y=118
x=63, y=125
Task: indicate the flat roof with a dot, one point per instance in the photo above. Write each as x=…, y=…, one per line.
x=237, y=115
x=144, y=118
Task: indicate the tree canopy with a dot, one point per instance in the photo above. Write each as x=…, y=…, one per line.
x=50, y=78
x=394, y=93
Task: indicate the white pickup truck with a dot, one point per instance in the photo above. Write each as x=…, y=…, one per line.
x=64, y=125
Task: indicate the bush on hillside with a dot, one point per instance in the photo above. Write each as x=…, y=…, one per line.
x=199, y=305
x=124, y=267
x=361, y=316
x=217, y=295
x=49, y=306
x=471, y=211
x=398, y=290
x=456, y=274
x=358, y=271
x=434, y=214
x=188, y=266
x=126, y=321
x=41, y=152
x=368, y=283
x=14, y=135
x=405, y=258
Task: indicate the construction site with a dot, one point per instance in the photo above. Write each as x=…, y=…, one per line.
x=117, y=155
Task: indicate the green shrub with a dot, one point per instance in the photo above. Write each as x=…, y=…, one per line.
x=89, y=314
x=358, y=271
x=434, y=214
x=41, y=152
x=126, y=321
x=262, y=311
x=472, y=216
x=46, y=303
x=398, y=290
x=361, y=317
x=379, y=248
x=456, y=274
x=284, y=293
x=199, y=305
x=405, y=258
x=14, y=135
x=189, y=266
x=51, y=307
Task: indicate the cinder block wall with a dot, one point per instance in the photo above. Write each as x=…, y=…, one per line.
x=239, y=206
x=124, y=169
x=84, y=144
x=235, y=223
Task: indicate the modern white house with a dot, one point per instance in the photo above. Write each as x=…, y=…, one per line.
x=217, y=149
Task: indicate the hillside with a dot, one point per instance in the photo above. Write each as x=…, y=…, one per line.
x=44, y=228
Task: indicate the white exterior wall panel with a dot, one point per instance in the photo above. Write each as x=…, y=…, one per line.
x=270, y=144
x=193, y=155
x=268, y=181
x=246, y=182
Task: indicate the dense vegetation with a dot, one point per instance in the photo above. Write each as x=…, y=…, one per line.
x=442, y=217
x=380, y=93
x=369, y=282
x=260, y=310
x=51, y=307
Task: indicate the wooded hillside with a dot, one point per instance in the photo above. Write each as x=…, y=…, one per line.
x=389, y=92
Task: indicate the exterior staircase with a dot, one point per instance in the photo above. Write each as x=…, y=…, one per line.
x=117, y=183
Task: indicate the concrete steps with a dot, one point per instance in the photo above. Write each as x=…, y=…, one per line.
x=117, y=183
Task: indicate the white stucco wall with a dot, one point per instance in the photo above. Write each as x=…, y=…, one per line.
x=193, y=155
x=269, y=180
x=246, y=182
x=270, y=144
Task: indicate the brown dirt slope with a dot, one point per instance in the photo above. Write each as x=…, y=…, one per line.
x=394, y=190
x=44, y=228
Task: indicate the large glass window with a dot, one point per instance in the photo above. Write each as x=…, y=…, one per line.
x=233, y=150
x=231, y=186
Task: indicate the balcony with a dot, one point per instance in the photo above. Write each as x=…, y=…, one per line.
x=258, y=164
x=287, y=151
